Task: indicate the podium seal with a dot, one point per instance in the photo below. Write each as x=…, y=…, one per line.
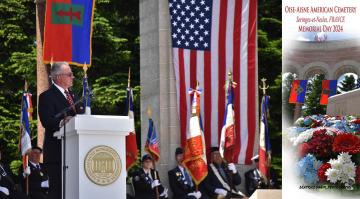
x=102, y=165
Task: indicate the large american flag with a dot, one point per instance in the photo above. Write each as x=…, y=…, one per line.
x=210, y=39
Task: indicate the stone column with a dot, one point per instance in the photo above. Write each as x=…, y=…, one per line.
x=41, y=69
x=157, y=82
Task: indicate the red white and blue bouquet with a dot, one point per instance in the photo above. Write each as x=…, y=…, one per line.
x=328, y=150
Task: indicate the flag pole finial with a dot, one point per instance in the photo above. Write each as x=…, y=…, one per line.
x=149, y=111
x=26, y=86
x=129, y=77
x=85, y=68
x=264, y=86
x=230, y=74
x=52, y=61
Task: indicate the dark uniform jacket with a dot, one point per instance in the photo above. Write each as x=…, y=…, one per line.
x=180, y=188
x=253, y=181
x=6, y=180
x=142, y=185
x=51, y=102
x=213, y=182
x=36, y=177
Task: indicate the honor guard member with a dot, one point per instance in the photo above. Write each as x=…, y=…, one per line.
x=222, y=178
x=146, y=181
x=180, y=181
x=38, y=178
x=254, y=179
x=8, y=188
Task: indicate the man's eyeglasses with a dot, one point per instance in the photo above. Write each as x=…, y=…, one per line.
x=68, y=74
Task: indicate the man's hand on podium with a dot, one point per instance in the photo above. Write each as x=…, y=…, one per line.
x=64, y=121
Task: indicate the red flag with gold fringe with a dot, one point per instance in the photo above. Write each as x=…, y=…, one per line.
x=195, y=154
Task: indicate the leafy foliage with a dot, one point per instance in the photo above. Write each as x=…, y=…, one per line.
x=347, y=84
x=312, y=104
x=269, y=63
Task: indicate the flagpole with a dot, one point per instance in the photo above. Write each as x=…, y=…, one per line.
x=149, y=112
x=26, y=155
x=264, y=88
x=129, y=77
x=27, y=176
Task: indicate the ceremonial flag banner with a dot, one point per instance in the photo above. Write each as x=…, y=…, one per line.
x=26, y=110
x=195, y=150
x=151, y=145
x=227, y=139
x=328, y=90
x=298, y=90
x=68, y=31
x=131, y=145
x=208, y=39
x=265, y=147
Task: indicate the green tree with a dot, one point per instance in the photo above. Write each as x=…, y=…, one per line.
x=347, y=84
x=269, y=67
x=312, y=98
x=287, y=108
x=115, y=49
x=17, y=63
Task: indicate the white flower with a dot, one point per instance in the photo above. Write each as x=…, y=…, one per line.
x=332, y=175
x=344, y=157
x=349, y=170
x=303, y=137
x=335, y=164
x=343, y=178
x=329, y=133
x=317, y=164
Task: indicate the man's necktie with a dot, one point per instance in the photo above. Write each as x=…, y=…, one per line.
x=187, y=178
x=70, y=100
x=38, y=167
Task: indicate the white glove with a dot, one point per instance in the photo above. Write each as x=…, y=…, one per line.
x=222, y=192
x=231, y=167
x=155, y=183
x=4, y=190
x=196, y=194
x=164, y=193
x=27, y=171
x=45, y=184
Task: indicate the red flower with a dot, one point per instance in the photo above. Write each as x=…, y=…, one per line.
x=304, y=149
x=357, y=178
x=320, y=144
x=321, y=172
x=356, y=121
x=346, y=143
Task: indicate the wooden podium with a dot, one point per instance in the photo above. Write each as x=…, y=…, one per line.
x=95, y=156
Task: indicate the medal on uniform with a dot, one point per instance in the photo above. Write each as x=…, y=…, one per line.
x=41, y=174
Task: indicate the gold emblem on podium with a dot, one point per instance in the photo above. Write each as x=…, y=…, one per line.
x=102, y=165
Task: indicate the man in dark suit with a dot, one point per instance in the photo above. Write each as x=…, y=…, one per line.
x=180, y=181
x=51, y=102
x=255, y=180
x=8, y=188
x=222, y=178
x=38, y=179
x=146, y=180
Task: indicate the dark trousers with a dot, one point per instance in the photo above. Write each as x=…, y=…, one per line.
x=54, y=172
x=38, y=195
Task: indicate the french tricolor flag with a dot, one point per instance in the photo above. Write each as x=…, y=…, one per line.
x=265, y=147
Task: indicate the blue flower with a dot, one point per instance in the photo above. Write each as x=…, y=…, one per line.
x=307, y=168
